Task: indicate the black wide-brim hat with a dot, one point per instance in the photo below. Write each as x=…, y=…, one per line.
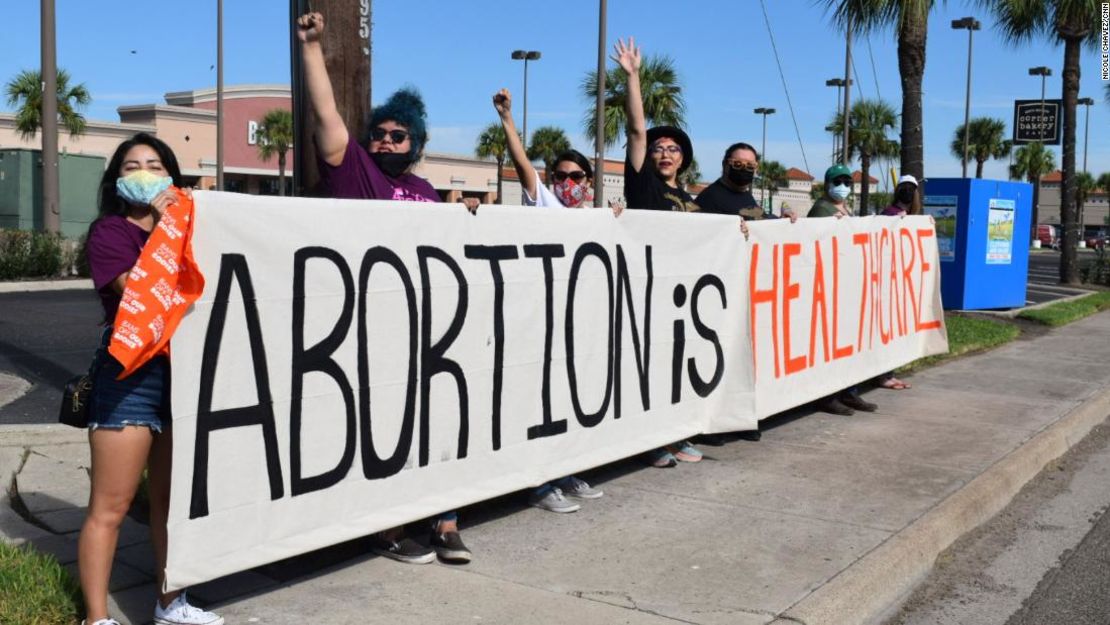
x=678, y=136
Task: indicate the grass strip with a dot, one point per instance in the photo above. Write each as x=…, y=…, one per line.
x=966, y=335
x=1063, y=313
x=35, y=589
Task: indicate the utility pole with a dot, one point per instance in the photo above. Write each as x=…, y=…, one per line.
x=525, y=55
x=847, y=92
x=347, y=47
x=51, y=215
x=219, y=95
x=972, y=25
x=838, y=83
x=599, y=141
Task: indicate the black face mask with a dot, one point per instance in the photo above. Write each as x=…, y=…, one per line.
x=740, y=177
x=904, y=196
x=391, y=164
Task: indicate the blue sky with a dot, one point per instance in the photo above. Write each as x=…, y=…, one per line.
x=457, y=55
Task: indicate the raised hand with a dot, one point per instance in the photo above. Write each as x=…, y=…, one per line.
x=627, y=56
x=503, y=102
x=309, y=27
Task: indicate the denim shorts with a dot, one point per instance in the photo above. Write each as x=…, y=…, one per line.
x=142, y=398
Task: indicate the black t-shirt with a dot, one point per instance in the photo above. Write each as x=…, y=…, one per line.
x=719, y=199
x=644, y=189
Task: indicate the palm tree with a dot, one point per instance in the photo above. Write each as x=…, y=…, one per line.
x=1032, y=162
x=275, y=136
x=868, y=124
x=25, y=92
x=662, y=94
x=773, y=176
x=492, y=143
x=547, y=143
x=1074, y=23
x=910, y=19
x=1084, y=184
x=986, y=139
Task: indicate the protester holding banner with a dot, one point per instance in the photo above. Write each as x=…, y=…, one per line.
x=572, y=189
x=906, y=202
x=654, y=160
x=381, y=171
x=731, y=194
x=833, y=203
x=129, y=420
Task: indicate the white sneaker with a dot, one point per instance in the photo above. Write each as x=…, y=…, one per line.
x=553, y=501
x=104, y=621
x=578, y=488
x=179, y=612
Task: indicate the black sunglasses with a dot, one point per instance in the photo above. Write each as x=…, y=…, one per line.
x=395, y=136
x=561, y=176
x=842, y=180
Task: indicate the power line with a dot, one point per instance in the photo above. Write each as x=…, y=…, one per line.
x=782, y=76
x=874, y=73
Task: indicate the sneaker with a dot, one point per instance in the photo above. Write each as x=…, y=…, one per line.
x=552, y=500
x=685, y=452
x=579, y=489
x=661, y=458
x=405, y=550
x=179, y=612
x=833, y=405
x=103, y=621
x=749, y=435
x=450, y=547
x=853, y=400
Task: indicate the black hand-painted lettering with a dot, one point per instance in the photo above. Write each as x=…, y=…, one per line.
x=643, y=359
x=373, y=466
x=495, y=254
x=589, y=420
x=233, y=267
x=701, y=387
x=432, y=360
x=678, y=329
x=546, y=253
x=318, y=358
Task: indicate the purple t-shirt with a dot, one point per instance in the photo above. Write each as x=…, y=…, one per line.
x=113, y=247
x=894, y=210
x=358, y=178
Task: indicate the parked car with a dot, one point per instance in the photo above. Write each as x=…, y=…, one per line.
x=1048, y=235
x=1099, y=241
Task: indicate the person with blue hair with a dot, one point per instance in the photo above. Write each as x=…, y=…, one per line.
x=380, y=171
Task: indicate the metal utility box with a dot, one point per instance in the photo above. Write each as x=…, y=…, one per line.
x=21, y=190
x=983, y=229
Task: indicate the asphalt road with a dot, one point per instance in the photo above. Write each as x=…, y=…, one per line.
x=46, y=338
x=1044, y=277
x=1043, y=560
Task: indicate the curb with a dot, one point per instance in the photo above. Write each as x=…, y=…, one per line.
x=45, y=285
x=1014, y=312
x=867, y=590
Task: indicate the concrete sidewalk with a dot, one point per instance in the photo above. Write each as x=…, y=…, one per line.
x=826, y=520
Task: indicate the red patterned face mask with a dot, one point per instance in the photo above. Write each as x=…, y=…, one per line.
x=573, y=194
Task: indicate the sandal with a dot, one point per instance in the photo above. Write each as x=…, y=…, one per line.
x=895, y=384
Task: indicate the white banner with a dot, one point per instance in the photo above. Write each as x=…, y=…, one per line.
x=835, y=302
x=353, y=366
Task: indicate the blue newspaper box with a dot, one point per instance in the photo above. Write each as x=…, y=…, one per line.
x=983, y=237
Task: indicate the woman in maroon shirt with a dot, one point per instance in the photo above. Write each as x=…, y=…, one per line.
x=129, y=420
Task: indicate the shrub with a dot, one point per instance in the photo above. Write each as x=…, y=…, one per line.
x=27, y=254
x=1097, y=271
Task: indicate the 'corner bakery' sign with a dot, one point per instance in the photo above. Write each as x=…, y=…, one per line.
x=1035, y=120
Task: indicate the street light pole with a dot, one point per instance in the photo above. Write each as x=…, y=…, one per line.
x=972, y=25
x=763, y=154
x=1086, y=134
x=838, y=83
x=51, y=217
x=1044, y=73
x=599, y=112
x=526, y=55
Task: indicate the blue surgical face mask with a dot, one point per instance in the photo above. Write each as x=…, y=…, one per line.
x=141, y=187
x=840, y=191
